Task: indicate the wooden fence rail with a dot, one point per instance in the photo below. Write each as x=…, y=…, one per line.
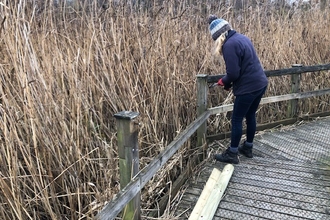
x=282, y=72
x=112, y=209
x=132, y=189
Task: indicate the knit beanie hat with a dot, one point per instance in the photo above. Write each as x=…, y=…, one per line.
x=218, y=26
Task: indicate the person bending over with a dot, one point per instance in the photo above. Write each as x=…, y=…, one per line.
x=245, y=74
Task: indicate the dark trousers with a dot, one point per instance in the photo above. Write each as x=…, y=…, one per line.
x=245, y=106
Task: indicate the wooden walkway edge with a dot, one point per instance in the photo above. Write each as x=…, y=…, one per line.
x=288, y=178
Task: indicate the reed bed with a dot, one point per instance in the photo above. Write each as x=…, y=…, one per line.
x=66, y=71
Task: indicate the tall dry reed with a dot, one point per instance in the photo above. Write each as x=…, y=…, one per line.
x=66, y=71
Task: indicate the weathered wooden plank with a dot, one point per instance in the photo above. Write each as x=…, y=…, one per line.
x=285, y=147
x=262, y=127
x=193, y=161
x=272, y=99
x=292, y=170
x=290, y=176
x=242, y=212
x=194, y=191
x=280, y=72
x=215, y=78
x=264, y=179
x=111, y=210
x=189, y=200
x=148, y=172
x=182, y=212
x=297, y=70
x=294, y=96
x=221, y=109
x=276, y=197
x=250, y=209
x=277, y=185
x=316, y=136
x=270, y=209
x=306, y=149
x=295, y=166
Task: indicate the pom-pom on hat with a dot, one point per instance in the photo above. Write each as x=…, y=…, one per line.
x=218, y=26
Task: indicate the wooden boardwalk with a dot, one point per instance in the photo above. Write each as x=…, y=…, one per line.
x=288, y=178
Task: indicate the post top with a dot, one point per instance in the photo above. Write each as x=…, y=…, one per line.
x=202, y=76
x=127, y=115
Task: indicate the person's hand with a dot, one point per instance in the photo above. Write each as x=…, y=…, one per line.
x=226, y=87
x=220, y=83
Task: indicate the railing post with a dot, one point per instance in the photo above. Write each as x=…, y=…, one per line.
x=202, y=90
x=295, y=88
x=127, y=135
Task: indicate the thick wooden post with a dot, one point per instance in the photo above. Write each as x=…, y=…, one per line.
x=127, y=135
x=295, y=88
x=202, y=90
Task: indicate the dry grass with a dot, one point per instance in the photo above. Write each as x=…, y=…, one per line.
x=65, y=72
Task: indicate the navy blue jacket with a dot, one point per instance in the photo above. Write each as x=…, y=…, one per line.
x=243, y=67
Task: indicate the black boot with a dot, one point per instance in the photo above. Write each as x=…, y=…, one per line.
x=246, y=150
x=227, y=157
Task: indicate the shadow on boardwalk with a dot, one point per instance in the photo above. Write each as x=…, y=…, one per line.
x=288, y=178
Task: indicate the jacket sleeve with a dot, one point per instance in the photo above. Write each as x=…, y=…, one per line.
x=232, y=56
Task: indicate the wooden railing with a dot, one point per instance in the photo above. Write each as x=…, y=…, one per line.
x=128, y=199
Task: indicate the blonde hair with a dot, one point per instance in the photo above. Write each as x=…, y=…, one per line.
x=219, y=43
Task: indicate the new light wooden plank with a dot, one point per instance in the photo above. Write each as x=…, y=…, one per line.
x=211, y=196
x=217, y=193
x=202, y=201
